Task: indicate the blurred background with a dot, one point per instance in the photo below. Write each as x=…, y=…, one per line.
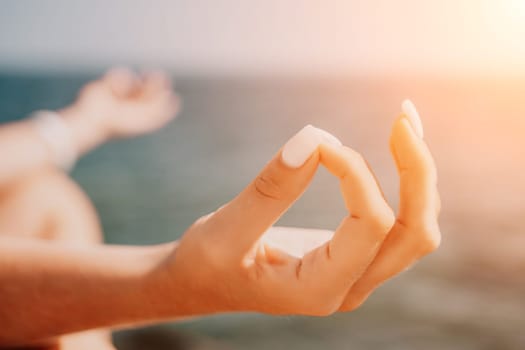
x=252, y=73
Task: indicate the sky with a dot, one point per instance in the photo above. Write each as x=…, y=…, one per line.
x=267, y=36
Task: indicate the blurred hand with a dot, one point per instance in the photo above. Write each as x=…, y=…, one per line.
x=233, y=260
x=121, y=104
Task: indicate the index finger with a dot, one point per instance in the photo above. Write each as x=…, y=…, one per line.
x=274, y=190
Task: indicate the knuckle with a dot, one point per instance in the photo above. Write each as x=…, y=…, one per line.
x=383, y=220
x=355, y=160
x=267, y=187
x=425, y=236
x=380, y=221
x=429, y=238
x=349, y=157
x=357, y=157
x=200, y=225
x=352, y=153
x=432, y=241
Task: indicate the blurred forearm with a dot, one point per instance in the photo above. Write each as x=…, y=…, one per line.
x=120, y=104
x=23, y=149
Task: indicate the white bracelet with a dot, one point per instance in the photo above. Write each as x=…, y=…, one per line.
x=52, y=128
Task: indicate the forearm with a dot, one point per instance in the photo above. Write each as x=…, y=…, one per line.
x=23, y=148
x=120, y=104
x=49, y=289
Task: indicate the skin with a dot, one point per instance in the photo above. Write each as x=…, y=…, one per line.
x=230, y=260
x=25, y=214
x=121, y=104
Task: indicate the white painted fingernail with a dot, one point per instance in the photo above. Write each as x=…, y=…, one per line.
x=329, y=137
x=301, y=146
x=413, y=116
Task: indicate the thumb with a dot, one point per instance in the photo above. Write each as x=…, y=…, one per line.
x=275, y=189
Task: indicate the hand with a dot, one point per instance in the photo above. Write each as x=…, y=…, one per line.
x=233, y=260
x=121, y=104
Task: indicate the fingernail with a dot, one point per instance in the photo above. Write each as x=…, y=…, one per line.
x=329, y=138
x=301, y=146
x=412, y=115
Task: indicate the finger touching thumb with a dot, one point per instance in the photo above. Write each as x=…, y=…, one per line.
x=304, y=144
x=276, y=188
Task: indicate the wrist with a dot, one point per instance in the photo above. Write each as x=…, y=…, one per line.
x=175, y=289
x=161, y=295
x=52, y=129
x=85, y=133
x=191, y=284
x=139, y=286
